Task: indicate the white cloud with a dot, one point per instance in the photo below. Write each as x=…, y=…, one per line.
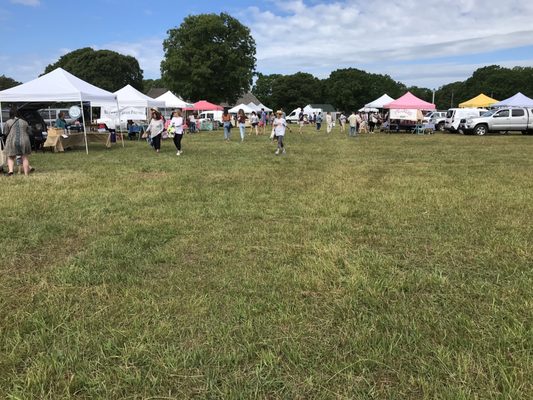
x=321, y=37
x=33, y=3
x=403, y=38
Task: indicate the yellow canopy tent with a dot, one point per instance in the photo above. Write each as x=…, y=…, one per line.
x=478, y=101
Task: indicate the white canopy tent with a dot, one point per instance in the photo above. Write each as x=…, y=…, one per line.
x=262, y=106
x=58, y=86
x=368, y=109
x=258, y=107
x=254, y=107
x=132, y=105
x=128, y=96
x=379, y=103
x=244, y=107
x=173, y=101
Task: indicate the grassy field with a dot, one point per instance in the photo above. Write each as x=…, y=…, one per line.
x=383, y=267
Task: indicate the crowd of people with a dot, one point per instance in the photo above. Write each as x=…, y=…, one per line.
x=17, y=146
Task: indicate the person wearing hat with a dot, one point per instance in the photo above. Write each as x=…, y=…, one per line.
x=280, y=125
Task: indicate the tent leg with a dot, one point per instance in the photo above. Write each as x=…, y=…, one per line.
x=84, y=127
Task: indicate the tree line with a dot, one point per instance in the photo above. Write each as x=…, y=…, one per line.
x=212, y=57
x=349, y=89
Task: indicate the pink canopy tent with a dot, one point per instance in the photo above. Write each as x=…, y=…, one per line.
x=204, y=105
x=409, y=102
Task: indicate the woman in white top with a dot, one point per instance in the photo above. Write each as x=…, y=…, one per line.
x=156, y=128
x=279, y=125
x=254, y=119
x=177, y=123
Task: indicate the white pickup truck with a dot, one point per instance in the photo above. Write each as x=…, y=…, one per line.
x=501, y=120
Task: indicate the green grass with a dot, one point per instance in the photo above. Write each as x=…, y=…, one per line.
x=385, y=267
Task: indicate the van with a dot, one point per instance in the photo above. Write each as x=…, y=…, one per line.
x=211, y=116
x=454, y=116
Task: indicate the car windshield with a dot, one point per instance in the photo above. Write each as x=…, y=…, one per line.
x=488, y=113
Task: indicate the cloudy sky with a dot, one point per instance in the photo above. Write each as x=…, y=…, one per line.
x=425, y=43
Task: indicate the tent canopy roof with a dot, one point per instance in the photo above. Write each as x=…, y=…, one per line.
x=173, y=101
x=56, y=86
x=480, y=100
x=254, y=106
x=244, y=107
x=379, y=103
x=518, y=100
x=409, y=102
x=262, y=106
x=128, y=96
x=204, y=105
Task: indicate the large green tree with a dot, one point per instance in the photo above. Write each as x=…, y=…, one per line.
x=6, y=82
x=152, y=83
x=297, y=90
x=106, y=69
x=263, y=87
x=493, y=80
x=422, y=93
x=350, y=89
x=210, y=57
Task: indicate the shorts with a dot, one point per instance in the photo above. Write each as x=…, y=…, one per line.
x=254, y=124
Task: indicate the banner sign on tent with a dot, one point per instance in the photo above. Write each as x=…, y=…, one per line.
x=126, y=113
x=406, y=115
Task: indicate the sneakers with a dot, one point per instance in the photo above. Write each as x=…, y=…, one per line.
x=178, y=153
x=283, y=151
x=277, y=151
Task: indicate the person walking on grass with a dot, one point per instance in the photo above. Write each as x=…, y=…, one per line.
x=17, y=132
x=352, y=120
x=301, y=119
x=329, y=123
x=254, y=120
x=156, y=128
x=263, y=120
x=359, y=120
x=342, y=122
x=241, y=120
x=177, y=124
x=372, y=121
x=279, y=126
x=226, y=124
x=318, y=121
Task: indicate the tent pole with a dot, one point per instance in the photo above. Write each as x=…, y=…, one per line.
x=1, y=119
x=84, y=126
x=119, y=122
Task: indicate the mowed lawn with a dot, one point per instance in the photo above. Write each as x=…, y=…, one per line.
x=382, y=267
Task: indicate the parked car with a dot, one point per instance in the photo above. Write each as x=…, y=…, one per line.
x=454, y=116
x=215, y=116
x=437, y=118
x=501, y=120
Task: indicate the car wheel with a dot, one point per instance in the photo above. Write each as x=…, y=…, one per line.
x=480, y=130
x=440, y=127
